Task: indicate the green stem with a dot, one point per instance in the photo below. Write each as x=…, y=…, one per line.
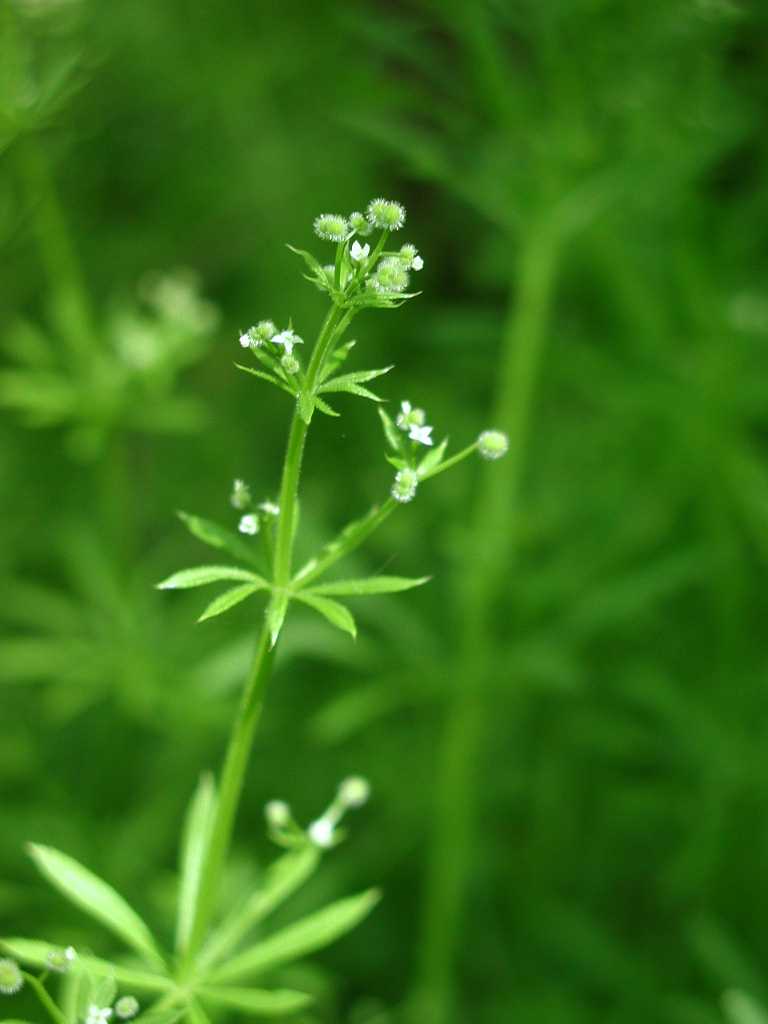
x=231, y=786
x=249, y=712
x=39, y=989
x=494, y=538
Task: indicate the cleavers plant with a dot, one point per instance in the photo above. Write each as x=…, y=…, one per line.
x=213, y=964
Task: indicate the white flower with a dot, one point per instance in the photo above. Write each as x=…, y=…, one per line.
x=421, y=434
x=359, y=252
x=240, y=498
x=98, y=1014
x=269, y=508
x=250, y=524
x=354, y=791
x=287, y=339
x=245, y=339
x=417, y=263
x=409, y=417
x=277, y=813
x=321, y=832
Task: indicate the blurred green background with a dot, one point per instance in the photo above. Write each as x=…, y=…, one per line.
x=566, y=731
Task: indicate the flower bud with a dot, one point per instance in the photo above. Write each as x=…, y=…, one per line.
x=404, y=487
x=11, y=978
x=277, y=813
x=127, y=1007
x=354, y=791
x=386, y=214
x=321, y=832
x=360, y=224
x=249, y=524
x=492, y=444
x=59, y=960
x=240, y=498
x=290, y=363
x=332, y=226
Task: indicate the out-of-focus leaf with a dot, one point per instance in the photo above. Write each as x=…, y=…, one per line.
x=307, y=936
x=36, y=953
x=371, y=585
x=203, y=574
x=96, y=898
x=262, y=1002
x=335, y=612
x=197, y=832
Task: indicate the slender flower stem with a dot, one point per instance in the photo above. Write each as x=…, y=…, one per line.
x=50, y=1007
x=494, y=539
x=249, y=712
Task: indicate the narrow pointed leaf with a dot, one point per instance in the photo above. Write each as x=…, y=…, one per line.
x=35, y=953
x=324, y=407
x=351, y=537
x=297, y=940
x=433, y=458
x=309, y=259
x=231, y=597
x=390, y=431
x=335, y=360
x=371, y=585
x=263, y=1002
x=217, y=536
x=204, y=574
x=357, y=377
x=306, y=406
x=283, y=877
x=266, y=376
x=96, y=898
x=351, y=389
x=335, y=612
x=197, y=834
x=276, y=613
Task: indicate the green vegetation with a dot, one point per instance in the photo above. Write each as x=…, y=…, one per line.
x=564, y=729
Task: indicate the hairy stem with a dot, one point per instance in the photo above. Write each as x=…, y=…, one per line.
x=493, y=543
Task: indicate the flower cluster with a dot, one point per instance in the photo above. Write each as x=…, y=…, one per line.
x=323, y=832
x=240, y=498
x=364, y=274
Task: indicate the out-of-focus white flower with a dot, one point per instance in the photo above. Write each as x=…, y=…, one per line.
x=421, y=434
x=249, y=524
x=359, y=252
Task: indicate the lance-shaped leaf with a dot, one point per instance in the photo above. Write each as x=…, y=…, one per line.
x=297, y=940
x=96, y=898
x=218, y=537
x=337, y=357
x=36, y=953
x=432, y=459
x=276, y=612
x=231, y=597
x=263, y=1002
x=351, y=537
x=352, y=383
x=393, y=436
x=262, y=375
x=324, y=407
x=283, y=877
x=335, y=612
x=370, y=585
x=204, y=574
x=196, y=837
x=310, y=260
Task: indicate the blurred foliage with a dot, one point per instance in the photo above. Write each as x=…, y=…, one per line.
x=618, y=864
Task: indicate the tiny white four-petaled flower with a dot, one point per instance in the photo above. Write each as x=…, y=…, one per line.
x=98, y=1014
x=421, y=434
x=359, y=252
x=287, y=339
x=409, y=417
x=321, y=832
x=249, y=524
x=417, y=263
